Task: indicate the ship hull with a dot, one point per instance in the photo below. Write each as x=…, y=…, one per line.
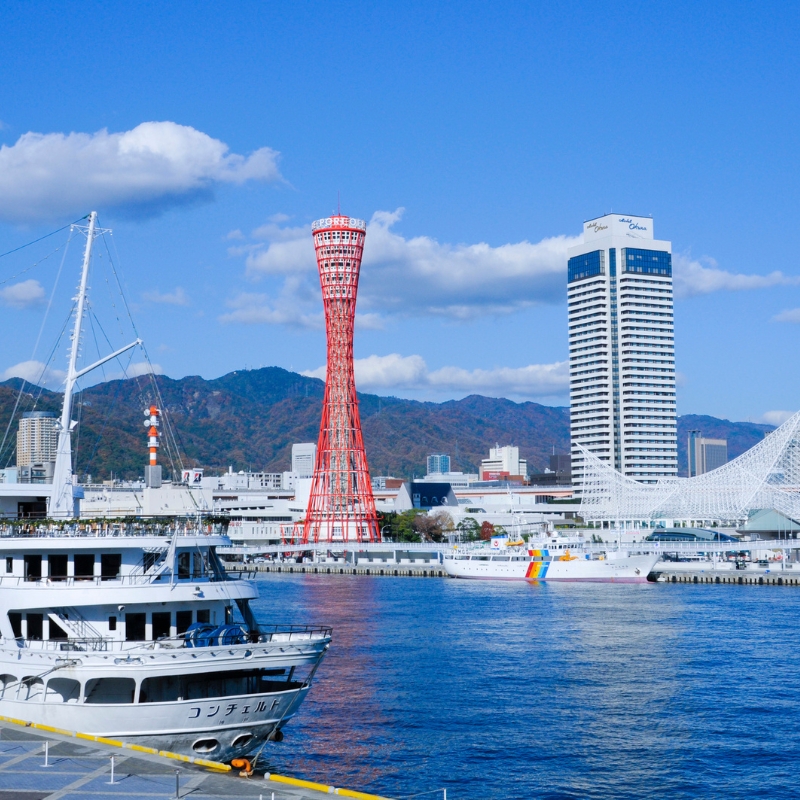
x=218, y=728
x=628, y=569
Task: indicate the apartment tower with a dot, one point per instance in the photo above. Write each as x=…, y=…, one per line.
x=622, y=349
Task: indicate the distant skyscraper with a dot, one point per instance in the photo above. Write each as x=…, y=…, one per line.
x=438, y=463
x=37, y=438
x=705, y=454
x=622, y=349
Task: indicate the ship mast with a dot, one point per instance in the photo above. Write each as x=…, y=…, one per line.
x=62, y=500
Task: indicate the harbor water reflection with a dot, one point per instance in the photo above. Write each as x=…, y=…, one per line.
x=511, y=690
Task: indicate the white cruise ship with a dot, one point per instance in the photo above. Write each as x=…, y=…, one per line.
x=145, y=638
x=133, y=630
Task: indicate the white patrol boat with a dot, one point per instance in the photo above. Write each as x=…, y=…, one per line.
x=145, y=638
x=554, y=558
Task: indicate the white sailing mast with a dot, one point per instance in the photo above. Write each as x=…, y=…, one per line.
x=62, y=499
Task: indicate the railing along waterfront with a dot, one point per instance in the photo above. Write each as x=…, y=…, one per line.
x=446, y=548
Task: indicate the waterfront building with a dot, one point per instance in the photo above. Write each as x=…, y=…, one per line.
x=705, y=454
x=504, y=462
x=622, y=349
x=764, y=477
x=438, y=463
x=304, y=456
x=458, y=480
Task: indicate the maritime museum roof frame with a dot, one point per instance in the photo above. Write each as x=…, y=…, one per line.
x=765, y=476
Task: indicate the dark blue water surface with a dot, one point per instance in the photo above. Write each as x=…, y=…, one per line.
x=511, y=690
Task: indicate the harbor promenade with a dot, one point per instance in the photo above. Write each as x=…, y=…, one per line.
x=424, y=561
x=46, y=764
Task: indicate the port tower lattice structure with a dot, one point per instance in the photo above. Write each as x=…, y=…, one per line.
x=341, y=506
x=767, y=476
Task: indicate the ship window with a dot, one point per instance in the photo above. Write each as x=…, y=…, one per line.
x=204, y=615
x=56, y=631
x=9, y=564
x=35, y=625
x=8, y=683
x=110, y=690
x=184, y=564
x=57, y=566
x=112, y=623
x=110, y=564
x=31, y=688
x=228, y=615
x=165, y=689
x=33, y=567
x=84, y=566
x=135, y=625
x=15, y=618
x=62, y=690
x=183, y=619
x=161, y=622
x=197, y=564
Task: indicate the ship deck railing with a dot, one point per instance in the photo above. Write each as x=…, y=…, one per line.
x=44, y=530
x=105, y=644
x=130, y=579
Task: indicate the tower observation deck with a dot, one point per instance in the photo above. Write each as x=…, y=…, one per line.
x=341, y=506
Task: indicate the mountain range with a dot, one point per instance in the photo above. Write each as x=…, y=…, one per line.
x=249, y=419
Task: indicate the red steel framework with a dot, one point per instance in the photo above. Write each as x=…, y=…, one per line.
x=341, y=506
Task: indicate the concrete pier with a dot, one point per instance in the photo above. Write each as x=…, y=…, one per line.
x=37, y=763
x=748, y=577
x=431, y=570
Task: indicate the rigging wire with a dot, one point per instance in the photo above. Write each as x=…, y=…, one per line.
x=171, y=439
x=106, y=420
x=40, y=388
x=41, y=238
x=39, y=336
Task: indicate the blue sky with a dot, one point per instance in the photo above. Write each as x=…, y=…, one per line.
x=475, y=138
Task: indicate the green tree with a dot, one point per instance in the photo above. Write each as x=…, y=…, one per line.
x=400, y=527
x=469, y=529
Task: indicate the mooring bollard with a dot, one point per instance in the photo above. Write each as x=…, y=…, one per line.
x=177, y=783
x=112, y=771
x=46, y=755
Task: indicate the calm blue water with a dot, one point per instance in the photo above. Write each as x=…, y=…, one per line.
x=504, y=690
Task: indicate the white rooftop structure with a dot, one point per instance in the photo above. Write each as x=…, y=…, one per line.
x=765, y=477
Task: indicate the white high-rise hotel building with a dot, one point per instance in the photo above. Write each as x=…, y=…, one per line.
x=622, y=349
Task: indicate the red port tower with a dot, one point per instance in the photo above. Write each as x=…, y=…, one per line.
x=341, y=507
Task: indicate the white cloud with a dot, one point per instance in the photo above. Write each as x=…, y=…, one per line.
x=37, y=373
x=23, y=295
x=421, y=276
x=144, y=170
x=176, y=298
x=790, y=315
x=702, y=276
x=252, y=308
x=135, y=370
x=411, y=372
x=776, y=417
